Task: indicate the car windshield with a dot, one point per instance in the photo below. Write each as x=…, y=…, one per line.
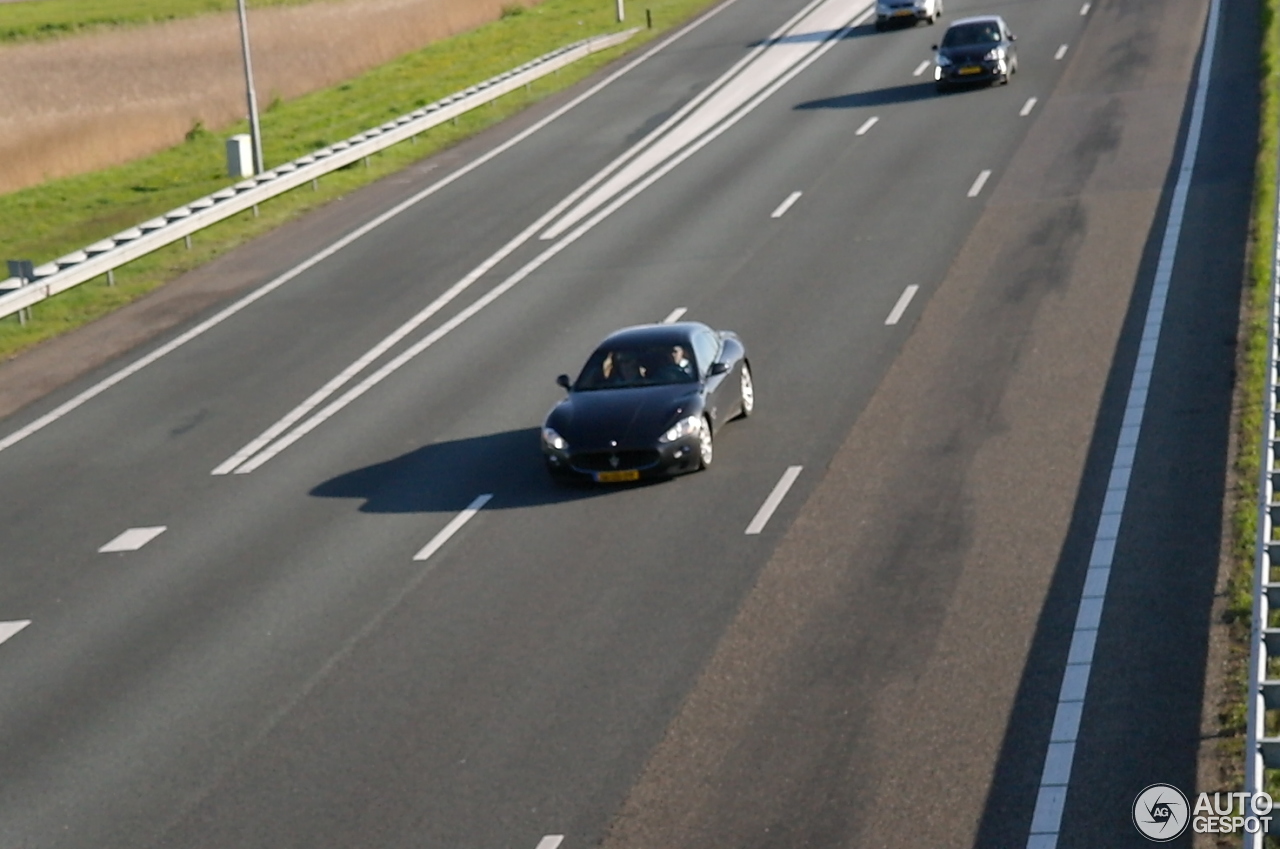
x=624, y=367
x=970, y=35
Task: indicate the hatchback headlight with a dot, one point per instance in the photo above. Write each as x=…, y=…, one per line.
x=553, y=440
x=994, y=54
x=687, y=426
x=943, y=61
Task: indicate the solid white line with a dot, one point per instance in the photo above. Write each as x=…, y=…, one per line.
x=8, y=629
x=922, y=67
x=551, y=841
x=674, y=315
x=866, y=125
x=1062, y=51
x=978, y=184
x=1028, y=106
x=455, y=524
x=1046, y=819
x=133, y=539
x=105, y=384
x=775, y=498
x=901, y=306
x=785, y=205
x=540, y=260
x=1084, y=10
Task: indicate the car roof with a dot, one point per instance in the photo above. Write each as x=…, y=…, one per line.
x=976, y=19
x=654, y=334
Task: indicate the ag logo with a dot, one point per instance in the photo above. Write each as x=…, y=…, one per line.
x=1160, y=812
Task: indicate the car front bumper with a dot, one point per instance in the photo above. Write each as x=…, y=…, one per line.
x=965, y=73
x=623, y=465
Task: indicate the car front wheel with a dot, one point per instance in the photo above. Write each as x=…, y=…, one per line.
x=706, y=449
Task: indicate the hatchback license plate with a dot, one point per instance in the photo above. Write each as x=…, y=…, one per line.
x=618, y=477
x=970, y=70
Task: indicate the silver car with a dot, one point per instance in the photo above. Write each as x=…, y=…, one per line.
x=906, y=12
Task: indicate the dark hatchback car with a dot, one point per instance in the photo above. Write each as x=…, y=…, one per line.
x=648, y=404
x=975, y=50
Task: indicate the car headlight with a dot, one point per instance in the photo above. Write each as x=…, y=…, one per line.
x=994, y=54
x=553, y=440
x=687, y=426
x=943, y=61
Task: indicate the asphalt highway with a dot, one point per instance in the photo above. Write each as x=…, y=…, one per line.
x=289, y=573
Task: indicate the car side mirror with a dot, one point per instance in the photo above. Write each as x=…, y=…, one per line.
x=934, y=47
x=563, y=380
x=717, y=368
x=1012, y=37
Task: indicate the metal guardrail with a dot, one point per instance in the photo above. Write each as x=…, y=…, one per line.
x=107, y=255
x=1262, y=752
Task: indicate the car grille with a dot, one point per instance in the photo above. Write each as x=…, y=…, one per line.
x=601, y=461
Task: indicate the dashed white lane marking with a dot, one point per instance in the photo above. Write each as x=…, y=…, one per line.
x=1084, y=10
x=213, y=321
x=978, y=184
x=675, y=315
x=921, y=68
x=1028, y=106
x=1062, y=51
x=1055, y=780
x=133, y=539
x=785, y=205
x=551, y=841
x=775, y=498
x=8, y=629
x=901, y=306
x=455, y=525
x=866, y=125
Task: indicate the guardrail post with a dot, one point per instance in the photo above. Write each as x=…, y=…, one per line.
x=24, y=270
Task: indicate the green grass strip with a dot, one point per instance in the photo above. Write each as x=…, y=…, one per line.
x=50, y=220
x=1251, y=387
x=38, y=20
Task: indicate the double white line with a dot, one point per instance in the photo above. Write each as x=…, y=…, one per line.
x=736, y=94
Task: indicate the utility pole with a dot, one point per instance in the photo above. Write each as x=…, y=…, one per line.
x=254, y=130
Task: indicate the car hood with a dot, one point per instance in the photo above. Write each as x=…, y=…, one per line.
x=630, y=417
x=974, y=53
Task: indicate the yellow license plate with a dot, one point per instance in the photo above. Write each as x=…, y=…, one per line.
x=970, y=70
x=617, y=477
x=904, y=13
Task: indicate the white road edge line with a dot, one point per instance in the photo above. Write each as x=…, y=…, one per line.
x=775, y=498
x=866, y=125
x=1062, y=51
x=534, y=264
x=785, y=205
x=922, y=67
x=8, y=629
x=1028, y=106
x=978, y=184
x=213, y=321
x=551, y=841
x=904, y=300
x=1055, y=779
x=1084, y=10
x=455, y=525
x=675, y=315
x=133, y=539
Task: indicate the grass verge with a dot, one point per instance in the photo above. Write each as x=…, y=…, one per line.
x=1250, y=389
x=38, y=21
x=60, y=216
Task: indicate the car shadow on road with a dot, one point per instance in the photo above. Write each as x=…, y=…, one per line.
x=876, y=97
x=816, y=36
x=445, y=477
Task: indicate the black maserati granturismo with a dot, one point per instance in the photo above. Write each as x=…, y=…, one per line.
x=648, y=403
